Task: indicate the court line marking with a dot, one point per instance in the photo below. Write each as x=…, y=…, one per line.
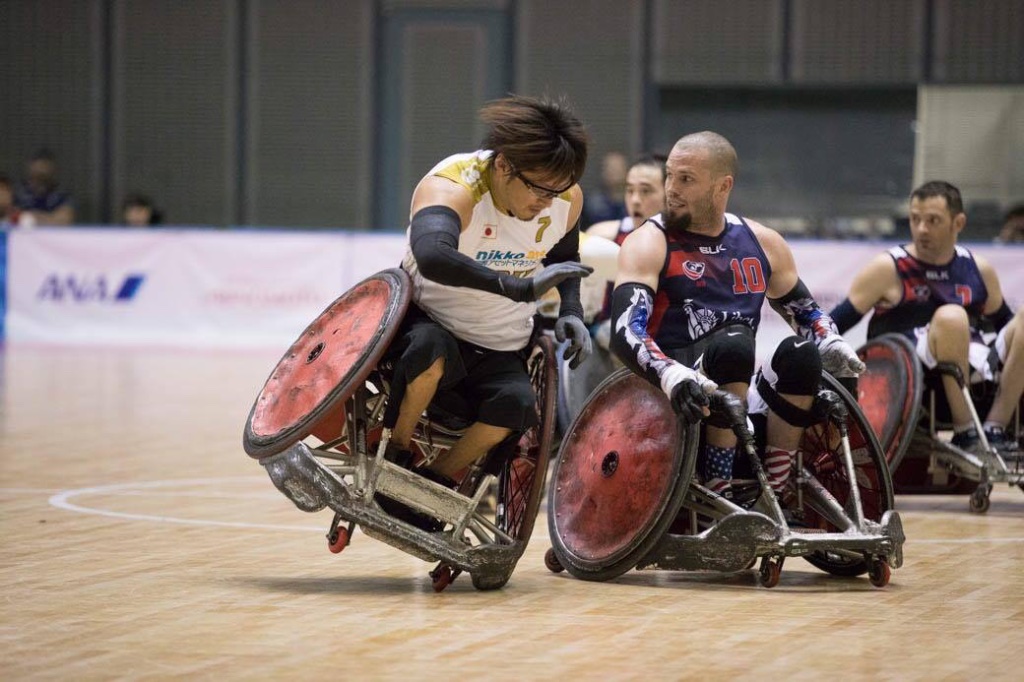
x=61, y=499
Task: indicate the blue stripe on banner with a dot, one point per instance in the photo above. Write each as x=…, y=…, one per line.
x=3, y=281
x=130, y=286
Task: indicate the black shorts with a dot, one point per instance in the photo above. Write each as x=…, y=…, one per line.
x=485, y=385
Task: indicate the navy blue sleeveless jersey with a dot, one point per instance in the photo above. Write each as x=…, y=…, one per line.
x=926, y=287
x=707, y=283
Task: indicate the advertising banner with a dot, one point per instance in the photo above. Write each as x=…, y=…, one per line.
x=171, y=287
x=260, y=289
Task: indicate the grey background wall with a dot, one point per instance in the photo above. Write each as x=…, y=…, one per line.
x=320, y=113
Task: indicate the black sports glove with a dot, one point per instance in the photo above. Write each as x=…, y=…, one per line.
x=689, y=401
x=580, y=346
x=532, y=288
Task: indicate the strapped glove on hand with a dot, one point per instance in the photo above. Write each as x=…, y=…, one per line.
x=688, y=390
x=553, y=275
x=838, y=358
x=580, y=346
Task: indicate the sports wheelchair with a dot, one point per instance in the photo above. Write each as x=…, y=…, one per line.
x=907, y=411
x=622, y=493
x=317, y=428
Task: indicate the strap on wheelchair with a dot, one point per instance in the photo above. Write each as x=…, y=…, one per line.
x=790, y=413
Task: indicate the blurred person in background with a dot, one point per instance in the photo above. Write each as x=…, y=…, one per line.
x=1012, y=231
x=644, y=197
x=10, y=215
x=606, y=202
x=949, y=303
x=138, y=210
x=41, y=195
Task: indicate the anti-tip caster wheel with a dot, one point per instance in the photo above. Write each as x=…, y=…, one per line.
x=770, y=571
x=551, y=561
x=879, y=573
x=980, y=501
x=337, y=540
x=441, y=577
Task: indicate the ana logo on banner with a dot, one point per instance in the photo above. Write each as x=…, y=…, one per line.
x=97, y=288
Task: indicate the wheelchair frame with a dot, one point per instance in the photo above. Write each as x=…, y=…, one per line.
x=986, y=469
x=345, y=469
x=734, y=537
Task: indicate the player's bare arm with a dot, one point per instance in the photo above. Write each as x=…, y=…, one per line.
x=995, y=291
x=641, y=257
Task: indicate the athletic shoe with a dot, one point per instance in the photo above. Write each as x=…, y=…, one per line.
x=1004, y=444
x=968, y=441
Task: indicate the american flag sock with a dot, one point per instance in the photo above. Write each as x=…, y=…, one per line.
x=718, y=468
x=777, y=464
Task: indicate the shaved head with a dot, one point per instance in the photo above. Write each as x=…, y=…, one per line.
x=718, y=151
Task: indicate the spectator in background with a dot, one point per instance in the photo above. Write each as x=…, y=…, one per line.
x=606, y=203
x=137, y=210
x=1012, y=231
x=41, y=195
x=10, y=216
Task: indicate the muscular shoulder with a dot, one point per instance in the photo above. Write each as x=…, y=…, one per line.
x=991, y=279
x=642, y=256
x=436, y=190
x=771, y=241
x=877, y=282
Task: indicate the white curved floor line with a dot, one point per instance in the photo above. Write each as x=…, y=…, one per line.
x=61, y=501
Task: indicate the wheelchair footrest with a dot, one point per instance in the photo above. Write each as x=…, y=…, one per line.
x=736, y=540
x=311, y=486
x=425, y=495
x=729, y=545
x=883, y=539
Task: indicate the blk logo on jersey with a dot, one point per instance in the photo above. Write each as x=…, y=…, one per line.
x=693, y=269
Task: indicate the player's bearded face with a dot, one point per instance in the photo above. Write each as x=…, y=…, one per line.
x=699, y=210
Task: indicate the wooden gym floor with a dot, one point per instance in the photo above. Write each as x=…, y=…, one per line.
x=139, y=541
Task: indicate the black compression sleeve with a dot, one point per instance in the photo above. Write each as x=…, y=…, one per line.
x=434, y=240
x=568, y=250
x=1000, y=318
x=845, y=316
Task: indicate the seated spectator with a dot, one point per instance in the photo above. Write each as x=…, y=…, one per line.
x=1012, y=231
x=137, y=210
x=41, y=196
x=10, y=216
x=606, y=202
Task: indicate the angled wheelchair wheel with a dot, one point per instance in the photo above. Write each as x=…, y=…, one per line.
x=329, y=361
x=620, y=478
x=822, y=448
x=889, y=393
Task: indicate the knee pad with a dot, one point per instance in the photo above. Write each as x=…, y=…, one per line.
x=795, y=369
x=729, y=358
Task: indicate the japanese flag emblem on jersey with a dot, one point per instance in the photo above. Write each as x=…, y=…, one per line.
x=490, y=231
